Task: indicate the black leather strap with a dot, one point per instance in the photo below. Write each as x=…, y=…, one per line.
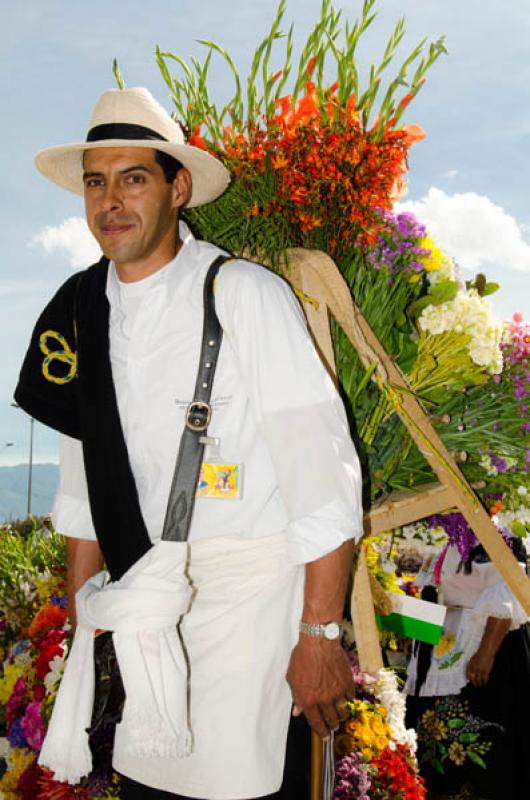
x=184, y=484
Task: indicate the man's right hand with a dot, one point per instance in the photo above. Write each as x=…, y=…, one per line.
x=321, y=682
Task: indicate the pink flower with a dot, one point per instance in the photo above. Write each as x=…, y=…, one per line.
x=16, y=699
x=33, y=726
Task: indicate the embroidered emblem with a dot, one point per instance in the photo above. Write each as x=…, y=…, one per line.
x=61, y=353
x=305, y=298
x=220, y=481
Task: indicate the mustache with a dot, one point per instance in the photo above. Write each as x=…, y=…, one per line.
x=105, y=219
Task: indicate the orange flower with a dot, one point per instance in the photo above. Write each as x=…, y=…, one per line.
x=48, y=617
x=196, y=139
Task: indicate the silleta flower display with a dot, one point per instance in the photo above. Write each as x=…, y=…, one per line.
x=320, y=167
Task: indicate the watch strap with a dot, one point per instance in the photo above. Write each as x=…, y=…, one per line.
x=318, y=630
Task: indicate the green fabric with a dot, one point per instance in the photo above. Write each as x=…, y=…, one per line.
x=410, y=627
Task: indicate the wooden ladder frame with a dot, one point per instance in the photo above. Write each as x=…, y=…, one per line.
x=317, y=279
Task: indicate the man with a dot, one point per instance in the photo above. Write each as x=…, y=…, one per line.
x=112, y=365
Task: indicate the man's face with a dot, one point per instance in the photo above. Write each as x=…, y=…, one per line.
x=130, y=208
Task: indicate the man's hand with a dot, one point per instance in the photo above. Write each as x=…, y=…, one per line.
x=320, y=679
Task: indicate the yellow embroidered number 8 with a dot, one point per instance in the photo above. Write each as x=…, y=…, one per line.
x=63, y=353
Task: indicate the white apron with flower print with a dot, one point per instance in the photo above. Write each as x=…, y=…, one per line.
x=470, y=600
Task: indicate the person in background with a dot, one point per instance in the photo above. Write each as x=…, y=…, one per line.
x=467, y=697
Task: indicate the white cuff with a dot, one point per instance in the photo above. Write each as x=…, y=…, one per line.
x=71, y=516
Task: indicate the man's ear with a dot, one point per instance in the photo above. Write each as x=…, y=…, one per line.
x=181, y=188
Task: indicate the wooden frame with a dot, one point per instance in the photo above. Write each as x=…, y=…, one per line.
x=318, y=281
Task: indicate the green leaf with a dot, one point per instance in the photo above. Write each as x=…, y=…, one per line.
x=476, y=758
x=437, y=765
x=117, y=74
x=456, y=723
x=490, y=288
x=468, y=738
x=518, y=528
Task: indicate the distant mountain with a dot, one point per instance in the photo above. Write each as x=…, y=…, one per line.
x=14, y=490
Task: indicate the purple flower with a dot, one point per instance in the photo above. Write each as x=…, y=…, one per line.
x=62, y=602
x=15, y=735
x=459, y=533
x=351, y=778
x=499, y=463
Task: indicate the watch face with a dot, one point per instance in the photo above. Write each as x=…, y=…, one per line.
x=332, y=631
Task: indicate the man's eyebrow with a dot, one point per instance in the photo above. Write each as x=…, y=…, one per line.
x=134, y=168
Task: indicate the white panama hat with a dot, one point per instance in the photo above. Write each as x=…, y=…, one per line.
x=133, y=118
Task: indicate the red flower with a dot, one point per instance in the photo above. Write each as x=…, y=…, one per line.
x=50, y=789
x=42, y=664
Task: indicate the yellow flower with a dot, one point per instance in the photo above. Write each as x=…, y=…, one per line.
x=46, y=585
x=366, y=736
x=428, y=720
x=446, y=644
x=7, y=683
x=436, y=259
x=456, y=753
x=381, y=742
x=18, y=760
x=438, y=729
x=379, y=727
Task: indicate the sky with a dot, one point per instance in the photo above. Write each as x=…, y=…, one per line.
x=468, y=180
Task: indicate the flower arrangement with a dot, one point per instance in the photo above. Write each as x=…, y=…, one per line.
x=375, y=752
x=320, y=167
x=33, y=661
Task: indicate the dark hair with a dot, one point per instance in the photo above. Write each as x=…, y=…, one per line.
x=170, y=166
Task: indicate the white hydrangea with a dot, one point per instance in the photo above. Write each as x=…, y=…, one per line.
x=386, y=690
x=505, y=518
x=471, y=314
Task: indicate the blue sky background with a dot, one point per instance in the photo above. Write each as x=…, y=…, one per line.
x=469, y=180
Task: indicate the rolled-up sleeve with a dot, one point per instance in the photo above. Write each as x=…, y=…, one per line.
x=71, y=508
x=297, y=408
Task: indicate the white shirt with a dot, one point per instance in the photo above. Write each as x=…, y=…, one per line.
x=275, y=409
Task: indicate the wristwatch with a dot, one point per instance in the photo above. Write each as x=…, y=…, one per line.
x=327, y=630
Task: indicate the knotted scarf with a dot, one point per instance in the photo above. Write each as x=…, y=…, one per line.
x=142, y=610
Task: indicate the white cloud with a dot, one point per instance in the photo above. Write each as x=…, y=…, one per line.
x=472, y=229
x=73, y=239
x=450, y=174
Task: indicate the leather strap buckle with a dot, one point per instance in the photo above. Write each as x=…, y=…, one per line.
x=198, y=416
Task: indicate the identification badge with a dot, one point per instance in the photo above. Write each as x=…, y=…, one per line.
x=220, y=481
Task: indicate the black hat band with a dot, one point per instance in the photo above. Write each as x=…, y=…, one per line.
x=122, y=130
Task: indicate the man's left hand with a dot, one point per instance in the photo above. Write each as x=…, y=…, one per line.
x=321, y=681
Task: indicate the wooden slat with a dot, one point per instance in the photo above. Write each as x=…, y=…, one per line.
x=404, y=507
x=364, y=622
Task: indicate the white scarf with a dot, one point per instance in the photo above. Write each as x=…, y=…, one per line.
x=142, y=609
